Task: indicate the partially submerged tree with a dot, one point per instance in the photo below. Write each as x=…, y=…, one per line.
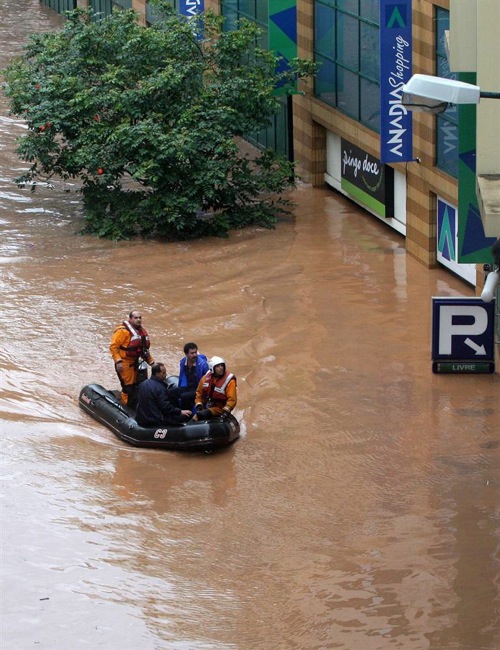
x=148, y=119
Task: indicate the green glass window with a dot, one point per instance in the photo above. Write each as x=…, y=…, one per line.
x=277, y=136
x=346, y=44
x=102, y=7
x=60, y=5
x=255, y=10
x=151, y=16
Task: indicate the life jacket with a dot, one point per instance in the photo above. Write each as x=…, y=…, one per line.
x=214, y=388
x=139, y=341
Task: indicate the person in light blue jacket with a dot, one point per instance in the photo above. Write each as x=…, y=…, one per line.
x=192, y=367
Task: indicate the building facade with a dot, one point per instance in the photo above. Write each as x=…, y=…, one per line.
x=335, y=129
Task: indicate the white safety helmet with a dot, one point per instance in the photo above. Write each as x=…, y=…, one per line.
x=215, y=361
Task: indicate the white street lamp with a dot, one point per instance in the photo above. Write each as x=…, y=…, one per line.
x=430, y=94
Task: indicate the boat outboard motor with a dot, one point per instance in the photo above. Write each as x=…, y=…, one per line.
x=172, y=381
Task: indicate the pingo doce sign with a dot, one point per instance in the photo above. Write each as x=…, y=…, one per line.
x=367, y=180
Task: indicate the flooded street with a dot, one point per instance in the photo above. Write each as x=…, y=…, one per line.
x=360, y=509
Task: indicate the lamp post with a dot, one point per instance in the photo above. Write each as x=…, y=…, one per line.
x=431, y=94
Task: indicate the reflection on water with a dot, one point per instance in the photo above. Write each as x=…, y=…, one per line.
x=360, y=508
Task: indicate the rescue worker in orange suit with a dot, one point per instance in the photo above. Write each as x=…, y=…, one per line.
x=216, y=394
x=130, y=351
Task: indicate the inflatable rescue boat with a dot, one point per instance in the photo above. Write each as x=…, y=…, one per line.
x=105, y=407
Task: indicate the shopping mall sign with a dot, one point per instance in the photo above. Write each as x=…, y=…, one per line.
x=463, y=335
x=191, y=7
x=395, y=70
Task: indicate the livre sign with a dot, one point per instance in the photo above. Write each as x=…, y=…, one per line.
x=367, y=180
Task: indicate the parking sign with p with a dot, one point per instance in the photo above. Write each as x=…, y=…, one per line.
x=463, y=335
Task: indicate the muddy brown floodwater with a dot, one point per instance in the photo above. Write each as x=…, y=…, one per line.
x=360, y=508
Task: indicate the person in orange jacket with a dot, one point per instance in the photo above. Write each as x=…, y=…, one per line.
x=216, y=394
x=129, y=348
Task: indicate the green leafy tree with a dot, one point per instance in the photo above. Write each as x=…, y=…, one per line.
x=148, y=118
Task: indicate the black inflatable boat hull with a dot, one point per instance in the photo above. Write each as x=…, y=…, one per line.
x=105, y=407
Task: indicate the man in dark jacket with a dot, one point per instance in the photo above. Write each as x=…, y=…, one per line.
x=154, y=406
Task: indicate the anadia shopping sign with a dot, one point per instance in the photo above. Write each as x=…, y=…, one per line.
x=191, y=7
x=395, y=70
